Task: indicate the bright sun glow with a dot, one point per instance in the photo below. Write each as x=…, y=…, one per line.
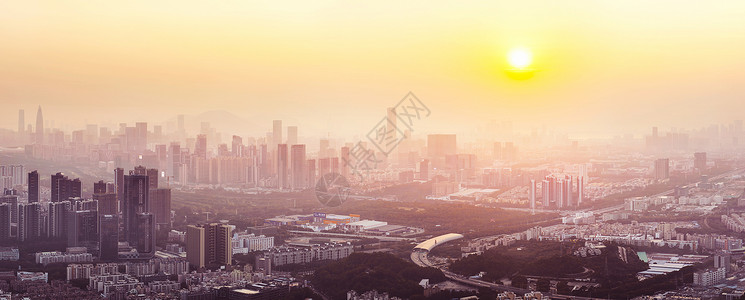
x=520, y=57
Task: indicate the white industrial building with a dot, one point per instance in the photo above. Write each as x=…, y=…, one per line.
x=364, y=225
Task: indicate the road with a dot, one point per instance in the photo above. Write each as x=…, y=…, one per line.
x=420, y=258
x=359, y=236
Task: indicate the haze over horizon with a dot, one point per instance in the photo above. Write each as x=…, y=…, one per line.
x=605, y=68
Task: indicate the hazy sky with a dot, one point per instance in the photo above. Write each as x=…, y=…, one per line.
x=605, y=66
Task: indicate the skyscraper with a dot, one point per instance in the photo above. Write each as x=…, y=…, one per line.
x=135, y=201
x=119, y=185
x=298, y=162
x=108, y=239
x=237, y=146
x=580, y=190
x=174, y=162
x=568, y=186
x=11, y=200
x=107, y=204
x=311, y=172
x=21, y=121
x=29, y=221
x=143, y=238
x=532, y=195
x=64, y=188
x=209, y=244
x=291, y=135
x=282, y=166
x=160, y=206
x=196, y=245
x=57, y=219
x=33, y=186
x=323, y=148
x=141, y=133
x=82, y=229
x=5, y=209
x=39, y=140
x=559, y=194
x=546, y=190
x=662, y=169
x=390, y=125
x=550, y=189
x=722, y=260
x=424, y=169
x=699, y=160
x=276, y=133
x=497, y=152
x=324, y=166
x=440, y=146
x=345, y=163
x=200, y=148
x=152, y=175
x=181, y=124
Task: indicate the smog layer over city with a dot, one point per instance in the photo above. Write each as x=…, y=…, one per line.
x=532, y=150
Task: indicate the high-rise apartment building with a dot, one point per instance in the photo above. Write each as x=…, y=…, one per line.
x=82, y=229
x=439, y=146
x=292, y=135
x=29, y=221
x=135, y=201
x=160, y=206
x=200, y=148
x=298, y=162
x=580, y=190
x=33, y=186
x=311, y=172
x=143, y=239
x=345, y=162
x=5, y=210
x=108, y=238
x=662, y=169
x=57, y=219
x=282, y=167
x=21, y=121
x=39, y=135
x=532, y=195
x=64, y=188
x=699, y=160
x=209, y=244
x=237, y=146
x=276, y=133
x=141, y=136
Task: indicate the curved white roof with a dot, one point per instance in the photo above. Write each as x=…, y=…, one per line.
x=435, y=241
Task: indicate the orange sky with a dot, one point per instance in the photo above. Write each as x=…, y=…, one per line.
x=605, y=66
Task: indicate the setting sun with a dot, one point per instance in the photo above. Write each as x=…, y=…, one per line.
x=520, y=58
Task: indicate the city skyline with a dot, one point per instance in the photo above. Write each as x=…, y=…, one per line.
x=252, y=149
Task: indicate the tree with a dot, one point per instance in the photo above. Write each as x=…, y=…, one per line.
x=520, y=282
x=563, y=288
x=543, y=285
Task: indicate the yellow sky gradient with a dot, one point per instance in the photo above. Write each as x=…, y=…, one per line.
x=605, y=66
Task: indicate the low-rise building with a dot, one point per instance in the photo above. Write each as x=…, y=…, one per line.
x=85, y=271
x=33, y=276
x=709, y=277
x=73, y=256
x=244, y=242
x=300, y=254
x=115, y=286
x=8, y=253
